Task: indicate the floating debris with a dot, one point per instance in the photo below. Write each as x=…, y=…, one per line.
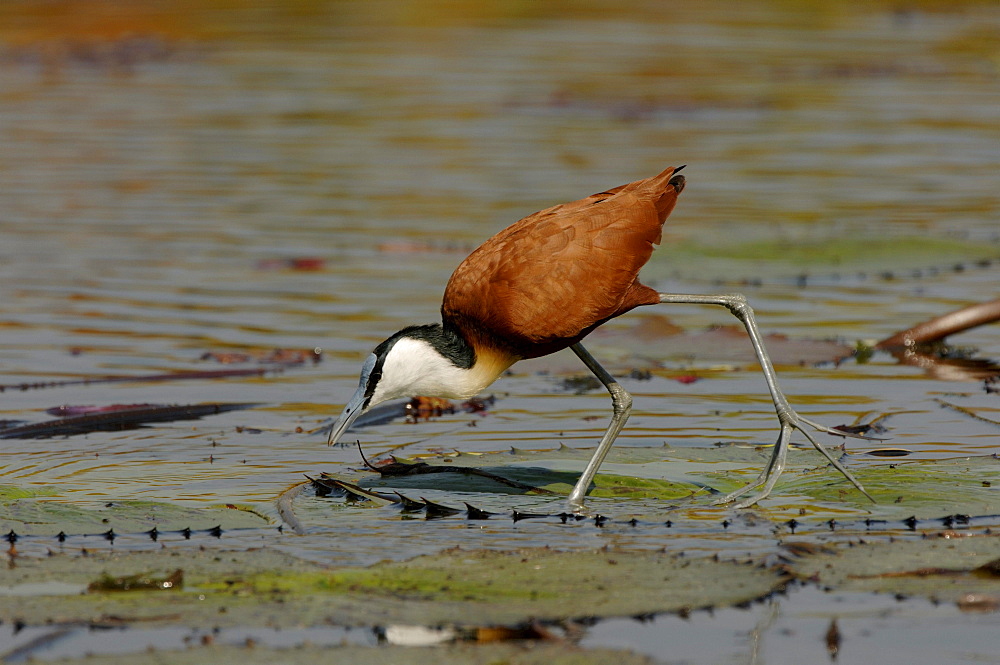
x=119, y=417
x=833, y=639
x=142, y=582
x=579, y=385
x=437, y=510
x=889, y=452
x=474, y=513
x=286, y=357
x=144, y=378
x=424, y=408
x=410, y=505
x=296, y=263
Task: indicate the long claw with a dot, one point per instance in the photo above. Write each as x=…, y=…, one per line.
x=761, y=479
x=729, y=498
x=773, y=470
x=836, y=464
x=769, y=476
x=833, y=430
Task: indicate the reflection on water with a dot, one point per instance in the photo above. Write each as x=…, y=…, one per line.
x=160, y=171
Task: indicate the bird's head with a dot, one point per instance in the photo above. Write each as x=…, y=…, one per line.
x=430, y=360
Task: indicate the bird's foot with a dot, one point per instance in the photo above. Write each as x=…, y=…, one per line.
x=790, y=421
x=576, y=506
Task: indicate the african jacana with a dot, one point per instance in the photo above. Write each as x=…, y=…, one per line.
x=542, y=285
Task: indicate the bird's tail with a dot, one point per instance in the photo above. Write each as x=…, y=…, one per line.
x=663, y=189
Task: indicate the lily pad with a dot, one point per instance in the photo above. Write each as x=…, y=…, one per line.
x=457, y=587
x=925, y=489
x=943, y=568
x=829, y=254
x=643, y=476
x=37, y=516
x=505, y=587
x=514, y=653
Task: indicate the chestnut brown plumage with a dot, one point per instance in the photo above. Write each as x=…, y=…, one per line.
x=541, y=285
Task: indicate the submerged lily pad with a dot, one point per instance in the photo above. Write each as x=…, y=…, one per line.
x=835, y=253
x=513, y=653
x=503, y=587
x=457, y=587
x=921, y=488
x=941, y=568
x=29, y=515
x=114, y=418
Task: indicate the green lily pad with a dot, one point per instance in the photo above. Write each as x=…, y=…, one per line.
x=941, y=568
x=514, y=653
x=643, y=476
x=612, y=485
x=457, y=587
x=37, y=516
x=14, y=492
x=504, y=587
x=924, y=489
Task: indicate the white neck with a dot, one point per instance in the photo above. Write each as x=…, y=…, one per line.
x=415, y=367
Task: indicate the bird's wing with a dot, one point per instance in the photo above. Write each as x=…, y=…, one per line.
x=549, y=279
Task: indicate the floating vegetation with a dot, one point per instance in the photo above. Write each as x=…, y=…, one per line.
x=117, y=417
x=140, y=582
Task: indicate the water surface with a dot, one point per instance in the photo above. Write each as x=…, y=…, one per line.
x=162, y=171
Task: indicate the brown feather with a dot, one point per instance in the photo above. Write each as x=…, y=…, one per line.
x=546, y=281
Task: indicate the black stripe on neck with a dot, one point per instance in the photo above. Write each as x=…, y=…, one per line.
x=445, y=339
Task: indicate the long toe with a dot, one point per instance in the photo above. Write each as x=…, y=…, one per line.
x=732, y=496
x=769, y=476
x=834, y=431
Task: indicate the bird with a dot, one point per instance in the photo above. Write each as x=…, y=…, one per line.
x=542, y=285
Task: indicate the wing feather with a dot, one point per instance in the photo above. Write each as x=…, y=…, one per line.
x=546, y=281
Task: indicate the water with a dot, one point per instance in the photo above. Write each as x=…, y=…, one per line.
x=156, y=186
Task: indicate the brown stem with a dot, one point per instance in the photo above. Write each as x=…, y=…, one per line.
x=942, y=326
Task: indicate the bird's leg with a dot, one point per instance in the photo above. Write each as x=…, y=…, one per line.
x=622, y=403
x=787, y=417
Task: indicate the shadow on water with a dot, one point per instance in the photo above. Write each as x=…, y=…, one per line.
x=188, y=188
